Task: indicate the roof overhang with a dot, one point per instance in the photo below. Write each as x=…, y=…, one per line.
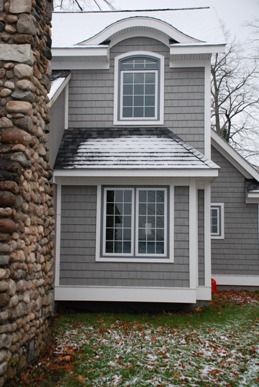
x=233, y=157
x=57, y=86
x=193, y=52
x=183, y=173
x=78, y=57
x=139, y=24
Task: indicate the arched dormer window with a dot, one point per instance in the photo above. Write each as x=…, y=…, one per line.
x=139, y=89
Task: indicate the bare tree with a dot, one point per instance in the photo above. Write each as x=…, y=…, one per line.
x=82, y=5
x=235, y=99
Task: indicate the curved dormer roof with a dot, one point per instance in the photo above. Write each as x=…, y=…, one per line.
x=83, y=40
x=187, y=25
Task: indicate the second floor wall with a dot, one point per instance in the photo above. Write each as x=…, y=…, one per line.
x=91, y=94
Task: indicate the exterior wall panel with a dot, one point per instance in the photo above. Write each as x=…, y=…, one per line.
x=78, y=239
x=238, y=252
x=92, y=95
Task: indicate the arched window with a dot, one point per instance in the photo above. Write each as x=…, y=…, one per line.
x=139, y=89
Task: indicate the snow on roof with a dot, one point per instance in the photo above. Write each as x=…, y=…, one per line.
x=132, y=148
x=69, y=29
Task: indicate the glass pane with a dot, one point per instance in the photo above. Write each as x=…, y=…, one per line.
x=139, y=89
x=151, y=209
x=151, y=248
x=127, y=221
x=149, y=112
x=110, y=196
x=151, y=196
x=142, y=247
x=150, y=89
x=127, y=112
x=139, y=78
x=160, y=221
x=150, y=101
x=142, y=221
x=160, y=248
x=109, y=247
x=109, y=221
x=160, y=196
x=128, y=78
x=142, y=196
x=110, y=208
x=118, y=195
x=126, y=247
x=127, y=196
x=109, y=234
x=159, y=234
x=118, y=247
x=138, y=112
x=127, y=209
x=160, y=209
x=139, y=101
x=150, y=78
x=127, y=89
x=127, y=101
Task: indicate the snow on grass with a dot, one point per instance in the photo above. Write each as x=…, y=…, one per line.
x=139, y=354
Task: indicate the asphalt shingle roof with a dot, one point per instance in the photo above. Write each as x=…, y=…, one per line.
x=127, y=148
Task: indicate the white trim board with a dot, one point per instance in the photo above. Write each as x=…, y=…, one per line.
x=125, y=294
x=236, y=280
x=233, y=157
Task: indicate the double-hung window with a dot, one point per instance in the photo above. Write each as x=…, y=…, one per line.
x=135, y=222
x=138, y=89
x=217, y=220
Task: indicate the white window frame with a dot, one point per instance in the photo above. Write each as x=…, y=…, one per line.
x=134, y=256
x=220, y=220
x=159, y=117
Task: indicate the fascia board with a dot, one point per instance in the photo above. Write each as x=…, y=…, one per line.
x=206, y=173
x=185, y=49
x=77, y=51
x=233, y=157
x=59, y=91
x=135, y=22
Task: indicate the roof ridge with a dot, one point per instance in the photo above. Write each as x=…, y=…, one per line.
x=134, y=10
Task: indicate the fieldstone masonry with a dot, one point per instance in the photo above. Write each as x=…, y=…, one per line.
x=26, y=198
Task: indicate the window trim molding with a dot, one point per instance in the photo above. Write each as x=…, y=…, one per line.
x=160, y=108
x=99, y=257
x=221, y=234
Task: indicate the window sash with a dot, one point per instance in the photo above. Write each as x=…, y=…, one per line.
x=217, y=220
x=135, y=110
x=153, y=231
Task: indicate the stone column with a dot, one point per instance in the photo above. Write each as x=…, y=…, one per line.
x=26, y=198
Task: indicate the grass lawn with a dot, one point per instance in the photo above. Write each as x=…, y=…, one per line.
x=217, y=345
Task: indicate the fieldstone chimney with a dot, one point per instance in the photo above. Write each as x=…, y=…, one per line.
x=26, y=198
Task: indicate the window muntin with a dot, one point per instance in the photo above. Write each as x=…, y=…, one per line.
x=217, y=221
x=139, y=88
x=150, y=223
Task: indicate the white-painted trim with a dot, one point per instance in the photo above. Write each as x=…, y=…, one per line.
x=236, y=280
x=66, y=110
x=101, y=51
x=137, y=32
x=193, y=234
x=222, y=221
x=206, y=172
x=207, y=110
x=58, y=234
x=132, y=23
x=196, y=48
x=207, y=238
x=116, y=110
x=125, y=294
x=133, y=257
x=203, y=293
x=171, y=222
x=63, y=86
x=233, y=157
x=80, y=63
x=187, y=62
x=252, y=197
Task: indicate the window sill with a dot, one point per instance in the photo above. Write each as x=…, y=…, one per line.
x=139, y=122
x=135, y=260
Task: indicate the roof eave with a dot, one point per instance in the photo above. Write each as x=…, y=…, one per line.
x=233, y=157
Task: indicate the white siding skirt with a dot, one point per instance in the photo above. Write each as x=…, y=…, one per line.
x=126, y=294
x=236, y=280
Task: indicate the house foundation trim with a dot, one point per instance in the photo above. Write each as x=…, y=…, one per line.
x=204, y=293
x=236, y=280
x=125, y=294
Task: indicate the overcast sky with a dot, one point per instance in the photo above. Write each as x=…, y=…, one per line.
x=234, y=13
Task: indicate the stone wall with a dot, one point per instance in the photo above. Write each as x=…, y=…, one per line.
x=26, y=198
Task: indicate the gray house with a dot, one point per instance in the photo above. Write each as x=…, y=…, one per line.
x=150, y=203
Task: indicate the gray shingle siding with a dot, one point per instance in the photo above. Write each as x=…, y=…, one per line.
x=78, y=239
x=92, y=96
x=238, y=252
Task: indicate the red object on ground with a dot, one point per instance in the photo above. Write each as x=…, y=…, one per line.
x=213, y=286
